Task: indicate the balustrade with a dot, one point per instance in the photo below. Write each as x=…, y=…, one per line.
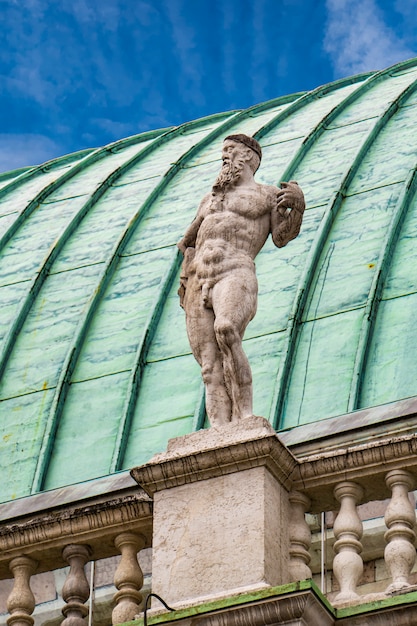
x=76, y=589
x=128, y=578
x=300, y=537
x=348, y=564
x=21, y=601
x=400, y=553
x=123, y=524
x=72, y=530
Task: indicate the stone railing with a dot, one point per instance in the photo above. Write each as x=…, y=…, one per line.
x=341, y=480
x=71, y=535
x=120, y=522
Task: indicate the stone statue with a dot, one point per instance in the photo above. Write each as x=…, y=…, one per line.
x=218, y=289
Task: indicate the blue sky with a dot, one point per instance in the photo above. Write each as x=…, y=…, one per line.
x=83, y=73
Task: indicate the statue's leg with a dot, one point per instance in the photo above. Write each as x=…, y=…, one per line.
x=218, y=402
x=234, y=304
x=200, y=329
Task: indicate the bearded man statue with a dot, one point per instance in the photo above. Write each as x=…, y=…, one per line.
x=219, y=289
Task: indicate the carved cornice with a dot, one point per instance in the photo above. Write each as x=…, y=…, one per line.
x=201, y=456
x=366, y=464
x=96, y=524
x=299, y=608
x=190, y=463
x=385, y=616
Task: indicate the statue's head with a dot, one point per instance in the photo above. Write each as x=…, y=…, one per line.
x=238, y=151
x=251, y=151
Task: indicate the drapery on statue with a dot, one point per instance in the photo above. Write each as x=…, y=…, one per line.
x=218, y=287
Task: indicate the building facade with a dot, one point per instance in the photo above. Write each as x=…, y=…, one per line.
x=97, y=374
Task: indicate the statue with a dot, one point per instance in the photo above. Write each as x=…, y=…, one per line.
x=218, y=288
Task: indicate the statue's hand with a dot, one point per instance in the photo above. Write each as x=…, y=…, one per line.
x=290, y=196
x=287, y=216
x=190, y=236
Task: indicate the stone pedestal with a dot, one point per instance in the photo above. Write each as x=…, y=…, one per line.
x=221, y=512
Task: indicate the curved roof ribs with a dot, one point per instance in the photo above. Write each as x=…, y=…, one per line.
x=374, y=296
x=200, y=411
x=55, y=249
x=76, y=345
x=147, y=336
x=324, y=228
x=89, y=159
x=29, y=173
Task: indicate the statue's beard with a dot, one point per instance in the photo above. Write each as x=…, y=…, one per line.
x=229, y=175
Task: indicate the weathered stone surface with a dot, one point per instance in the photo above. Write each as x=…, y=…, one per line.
x=400, y=518
x=348, y=529
x=366, y=464
x=221, y=512
x=300, y=537
x=254, y=427
x=217, y=452
x=128, y=578
x=21, y=600
x=297, y=610
x=43, y=536
x=220, y=536
x=395, y=616
x=76, y=589
x=42, y=585
x=301, y=607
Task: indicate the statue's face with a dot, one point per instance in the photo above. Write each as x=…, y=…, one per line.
x=234, y=155
x=233, y=151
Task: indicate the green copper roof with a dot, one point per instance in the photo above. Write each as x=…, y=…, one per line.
x=96, y=370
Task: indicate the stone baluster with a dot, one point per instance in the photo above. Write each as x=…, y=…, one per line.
x=128, y=578
x=348, y=564
x=21, y=601
x=76, y=589
x=399, y=553
x=300, y=537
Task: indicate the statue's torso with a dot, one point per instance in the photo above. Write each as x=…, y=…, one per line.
x=233, y=230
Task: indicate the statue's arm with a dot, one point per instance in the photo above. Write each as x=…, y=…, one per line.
x=190, y=236
x=287, y=214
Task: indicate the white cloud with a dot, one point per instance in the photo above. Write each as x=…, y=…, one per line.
x=358, y=40
x=26, y=149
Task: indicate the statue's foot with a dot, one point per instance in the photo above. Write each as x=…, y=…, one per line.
x=219, y=422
